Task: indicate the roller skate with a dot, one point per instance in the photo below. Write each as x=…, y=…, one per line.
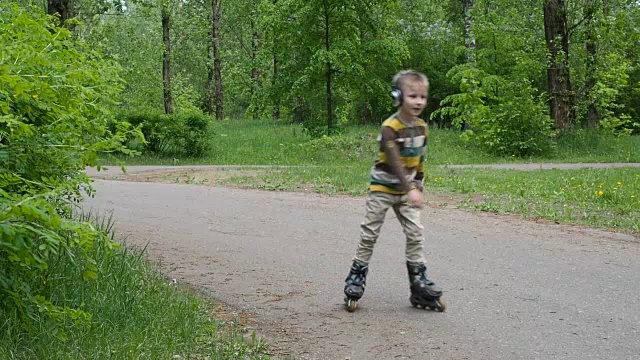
x=356, y=281
x=424, y=292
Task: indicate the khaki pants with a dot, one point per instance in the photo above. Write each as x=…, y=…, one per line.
x=377, y=205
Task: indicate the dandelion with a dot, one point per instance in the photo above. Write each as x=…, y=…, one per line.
x=600, y=193
x=565, y=205
x=36, y=96
x=619, y=183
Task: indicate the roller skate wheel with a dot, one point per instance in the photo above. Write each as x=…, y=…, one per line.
x=440, y=305
x=414, y=303
x=351, y=305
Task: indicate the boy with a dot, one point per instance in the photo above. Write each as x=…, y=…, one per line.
x=397, y=178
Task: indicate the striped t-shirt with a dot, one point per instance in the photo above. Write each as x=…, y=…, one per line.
x=411, y=142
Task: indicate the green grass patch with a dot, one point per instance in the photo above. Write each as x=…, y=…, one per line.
x=251, y=142
x=605, y=198
x=135, y=314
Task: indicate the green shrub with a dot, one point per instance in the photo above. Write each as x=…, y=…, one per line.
x=184, y=134
x=53, y=124
x=502, y=116
x=196, y=134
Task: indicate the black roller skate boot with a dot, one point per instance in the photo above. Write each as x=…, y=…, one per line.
x=356, y=281
x=424, y=292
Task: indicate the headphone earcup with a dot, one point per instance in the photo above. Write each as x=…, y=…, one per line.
x=396, y=95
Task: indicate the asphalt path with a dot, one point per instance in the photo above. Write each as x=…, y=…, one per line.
x=514, y=289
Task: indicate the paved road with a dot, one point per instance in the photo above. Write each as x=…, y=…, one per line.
x=514, y=289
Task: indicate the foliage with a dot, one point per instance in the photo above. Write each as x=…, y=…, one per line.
x=55, y=101
x=183, y=134
x=503, y=116
x=275, y=55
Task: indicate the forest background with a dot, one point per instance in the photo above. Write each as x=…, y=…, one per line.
x=509, y=73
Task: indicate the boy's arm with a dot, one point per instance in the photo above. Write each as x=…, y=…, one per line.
x=419, y=179
x=392, y=153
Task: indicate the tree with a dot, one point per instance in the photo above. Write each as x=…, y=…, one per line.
x=469, y=40
x=54, y=122
x=61, y=8
x=216, y=97
x=166, y=59
x=590, y=47
x=561, y=98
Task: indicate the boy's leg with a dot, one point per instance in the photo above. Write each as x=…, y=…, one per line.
x=409, y=218
x=376, y=208
x=424, y=292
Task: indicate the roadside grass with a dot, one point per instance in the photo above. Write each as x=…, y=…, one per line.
x=135, y=314
x=252, y=142
x=604, y=198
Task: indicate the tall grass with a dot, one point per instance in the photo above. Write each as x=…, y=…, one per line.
x=135, y=314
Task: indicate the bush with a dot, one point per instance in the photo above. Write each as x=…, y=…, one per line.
x=53, y=124
x=502, y=116
x=173, y=135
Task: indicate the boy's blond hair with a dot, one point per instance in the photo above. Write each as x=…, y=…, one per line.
x=401, y=78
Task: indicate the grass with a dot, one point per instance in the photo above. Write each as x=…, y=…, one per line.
x=250, y=142
x=135, y=314
x=605, y=198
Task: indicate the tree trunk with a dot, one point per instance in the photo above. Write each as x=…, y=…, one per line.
x=590, y=81
x=211, y=105
x=469, y=43
x=327, y=36
x=274, y=80
x=469, y=40
x=255, y=70
x=60, y=7
x=166, y=61
x=218, y=95
x=276, y=70
x=561, y=97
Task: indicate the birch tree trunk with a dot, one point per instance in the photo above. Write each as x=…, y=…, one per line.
x=469, y=40
x=215, y=82
x=590, y=81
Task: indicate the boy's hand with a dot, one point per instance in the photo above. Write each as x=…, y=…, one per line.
x=415, y=198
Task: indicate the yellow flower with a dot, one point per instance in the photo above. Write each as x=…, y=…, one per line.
x=600, y=193
x=36, y=96
x=619, y=183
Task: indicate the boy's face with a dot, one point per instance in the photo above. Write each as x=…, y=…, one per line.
x=414, y=97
